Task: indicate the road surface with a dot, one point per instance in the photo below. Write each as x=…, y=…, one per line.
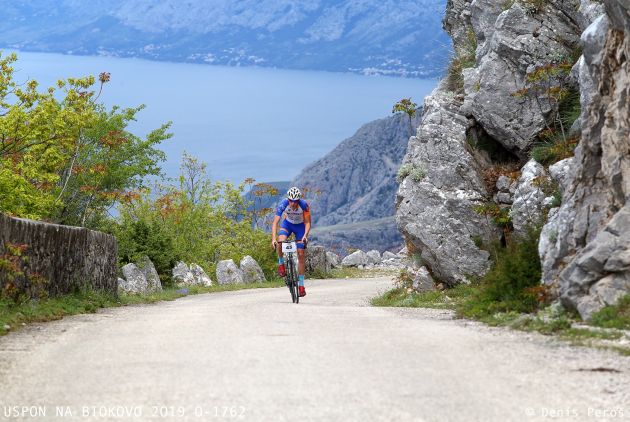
x=253, y=355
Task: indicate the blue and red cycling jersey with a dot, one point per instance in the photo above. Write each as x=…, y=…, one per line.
x=294, y=219
x=294, y=216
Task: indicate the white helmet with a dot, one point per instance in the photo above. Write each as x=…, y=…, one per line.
x=294, y=194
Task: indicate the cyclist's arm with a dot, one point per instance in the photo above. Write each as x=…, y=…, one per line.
x=307, y=222
x=274, y=228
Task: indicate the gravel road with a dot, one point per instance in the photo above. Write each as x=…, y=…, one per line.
x=253, y=355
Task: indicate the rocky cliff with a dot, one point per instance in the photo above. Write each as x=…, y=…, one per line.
x=515, y=67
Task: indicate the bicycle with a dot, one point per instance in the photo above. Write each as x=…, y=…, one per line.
x=289, y=247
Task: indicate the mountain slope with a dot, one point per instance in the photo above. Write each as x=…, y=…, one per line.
x=368, y=36
x=352, y=188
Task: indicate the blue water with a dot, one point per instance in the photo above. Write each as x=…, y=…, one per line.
x=243, y=122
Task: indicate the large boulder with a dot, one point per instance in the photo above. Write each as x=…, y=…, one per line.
x=333, y=259
x=422, y=280
x=252, y=273
x=229, y=273
x=135, y=280
x=437, y=213
x=589, y=262
x=182, y=274
x=355, y=259
x=374, y=256
x=150, y=273
x=316, y=260
x=200, y=277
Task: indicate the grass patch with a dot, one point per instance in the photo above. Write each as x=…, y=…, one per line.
x=447, y=299
x=353, y=272
x=50, y=309
x=617, y=316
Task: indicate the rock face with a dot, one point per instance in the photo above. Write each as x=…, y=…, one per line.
x=422, y=280
x=436, y=214
x=588, y=263
x=150, y=273
x=199, y=275
x=68, y=258
x=355, y=259
x=316, y=260
x=252, y=273
x=529, y=197
x=229, y=273
x=510, y=44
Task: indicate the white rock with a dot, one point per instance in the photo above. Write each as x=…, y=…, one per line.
x=229, y=273
x=389, y=255
x=199, y=276
x=355, y=259
x=150, y=273
x=252, y=273
x=374, y=256
x=333, y=259
x=135, y=281
x=182, y=274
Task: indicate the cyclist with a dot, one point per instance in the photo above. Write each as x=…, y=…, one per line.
x=297, y=220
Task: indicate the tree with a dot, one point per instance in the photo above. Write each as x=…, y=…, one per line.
x=407, y=107
x=63, y=156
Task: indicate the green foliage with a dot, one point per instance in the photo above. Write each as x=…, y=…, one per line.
x=534, y=6
x=196, y=221
x=617, y=316
x=463, y=58
x=416, y=171
x=513, y=282
x=554, y=145
x=407, y=107
x=63, y=156
x=500, y=215
x=137, y=238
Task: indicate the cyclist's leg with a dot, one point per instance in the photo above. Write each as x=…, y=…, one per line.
x=283, y=233
x=299, y=230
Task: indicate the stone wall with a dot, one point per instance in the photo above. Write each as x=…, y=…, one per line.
x=59, y=258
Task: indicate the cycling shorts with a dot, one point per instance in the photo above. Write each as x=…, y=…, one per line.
x=287, y=228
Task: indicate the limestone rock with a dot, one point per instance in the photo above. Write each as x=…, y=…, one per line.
x=135, y=281
x=316, y=260
x=560, y=172
x=593, y=223
x=374, y=256
x=437, y=215
x=389, y=255
x=515, y=43
x=422, y=280
x=150, y=273
x=529, y=198
x=229, y=273
x=333, y=259
x=252, y=273
x=200, y=277
x=355, y=259
x=182, y=274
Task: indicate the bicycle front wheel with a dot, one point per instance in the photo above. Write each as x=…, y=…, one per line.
x=291, y=279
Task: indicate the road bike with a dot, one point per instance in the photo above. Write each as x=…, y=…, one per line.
x=289, y=248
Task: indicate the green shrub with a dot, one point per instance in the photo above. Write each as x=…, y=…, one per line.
x=416, y=171
x=513, y=282
x=617, y=316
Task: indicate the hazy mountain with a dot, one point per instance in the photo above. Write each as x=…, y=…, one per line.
x=400, y=37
